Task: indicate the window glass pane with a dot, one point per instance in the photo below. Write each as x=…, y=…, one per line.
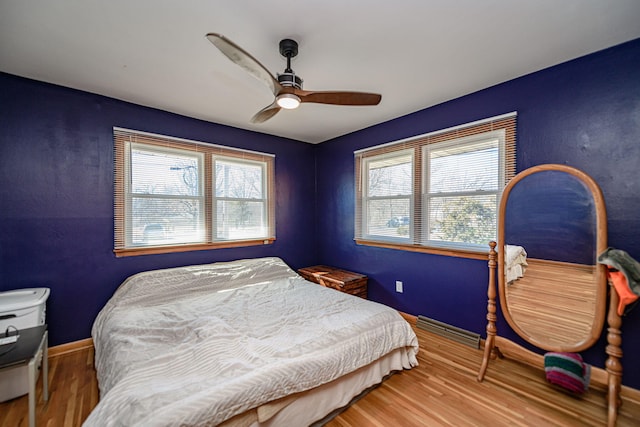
x=467, y=167
x=162, y=221
x=389, y=217
x=240, y=220
x=390, y=176
x=167, y=173
x=465, y=219
x=238, y=180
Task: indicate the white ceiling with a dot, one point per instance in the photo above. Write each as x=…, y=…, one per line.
x=416, y=53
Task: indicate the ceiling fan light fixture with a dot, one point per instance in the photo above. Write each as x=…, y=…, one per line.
x=288, y=101
x=287, y=86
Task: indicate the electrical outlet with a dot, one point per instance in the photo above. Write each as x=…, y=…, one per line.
x=398, y=286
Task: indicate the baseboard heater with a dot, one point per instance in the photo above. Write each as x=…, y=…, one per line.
x=451, y=332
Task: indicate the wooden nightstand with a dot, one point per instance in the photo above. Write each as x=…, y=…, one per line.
x=342, y=280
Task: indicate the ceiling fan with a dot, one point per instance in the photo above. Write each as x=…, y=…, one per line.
x=287, y=87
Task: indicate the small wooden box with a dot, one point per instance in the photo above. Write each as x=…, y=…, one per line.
x=342, y=280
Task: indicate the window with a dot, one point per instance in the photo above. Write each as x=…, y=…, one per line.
x=164, y=196
x=461, y=191
x=388, y=199
x=240, y=203
x=438, y=192
x=176, y=195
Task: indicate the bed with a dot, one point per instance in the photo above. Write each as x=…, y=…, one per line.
x=242, y=343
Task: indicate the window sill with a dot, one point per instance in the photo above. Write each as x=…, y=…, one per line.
x=460, y=253
x=152, y=250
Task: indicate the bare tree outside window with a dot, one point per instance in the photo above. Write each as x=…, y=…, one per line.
x=191, y=181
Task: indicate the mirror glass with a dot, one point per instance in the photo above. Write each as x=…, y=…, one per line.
x=551, y=284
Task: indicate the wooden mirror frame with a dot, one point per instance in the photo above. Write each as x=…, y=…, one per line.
x=600, y=279
x=495, y=346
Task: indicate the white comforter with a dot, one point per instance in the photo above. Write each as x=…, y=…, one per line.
x=197, y=345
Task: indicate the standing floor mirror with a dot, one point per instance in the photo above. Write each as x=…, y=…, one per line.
x=552, y=225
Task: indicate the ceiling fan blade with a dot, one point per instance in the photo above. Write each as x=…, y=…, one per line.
x=243, y=59
x=266, y=113
x=339, y=98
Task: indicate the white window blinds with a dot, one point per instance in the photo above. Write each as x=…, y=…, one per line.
x=439, y=190
x=175, y=195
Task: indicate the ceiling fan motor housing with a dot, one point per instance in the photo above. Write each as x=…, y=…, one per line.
x=290, y=80
x=288, y=48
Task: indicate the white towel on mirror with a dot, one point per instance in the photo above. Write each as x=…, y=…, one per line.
x=515, y=262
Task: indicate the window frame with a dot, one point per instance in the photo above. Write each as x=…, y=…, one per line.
x=124, y=139
x=503, y=127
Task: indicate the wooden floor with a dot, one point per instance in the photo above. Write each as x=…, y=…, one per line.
x=551, y=307
x=442, y=391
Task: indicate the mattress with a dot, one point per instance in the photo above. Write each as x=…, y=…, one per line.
x=321, y=404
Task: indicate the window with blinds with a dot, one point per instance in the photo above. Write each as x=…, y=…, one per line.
x=438, y=192
x=177, y=195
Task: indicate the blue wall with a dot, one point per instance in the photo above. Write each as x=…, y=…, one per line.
x=584, y=113
x=56, y=190
x=56, y=197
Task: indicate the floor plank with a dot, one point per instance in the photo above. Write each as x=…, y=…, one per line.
x=442, y=391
